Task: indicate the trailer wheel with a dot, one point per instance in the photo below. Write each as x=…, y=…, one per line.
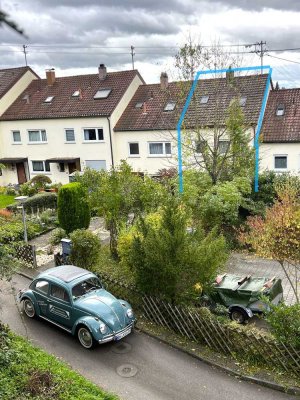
x=238, y=315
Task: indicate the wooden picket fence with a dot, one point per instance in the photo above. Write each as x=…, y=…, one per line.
x=27, y=253
x=196, y=324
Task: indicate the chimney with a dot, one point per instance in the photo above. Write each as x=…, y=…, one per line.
x=144, y=108
x=102, y=72
x=164, y=80
x=50, y=75
x=229, y=74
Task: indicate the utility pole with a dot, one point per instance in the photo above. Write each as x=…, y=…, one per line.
x=132, y=56
x=25, y=53
x=260, y=50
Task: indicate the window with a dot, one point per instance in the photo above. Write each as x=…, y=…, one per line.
x=200, y=146
x=49, y=99
x=76, y=93
x=37, y=136
x=59, y=293
x=97, y=165
x=243, y=101
x=70, y=135
x=139, y=104
x=40, y=166
x=134, y=149
x=160, y=148
x=61, y=167
x=280, y=110
x=102, y=94
x=16, y=136
x=42, y=286
x=223, y=146
x=280, y=162
x=204, y=99
x=93, y=134
x=170, y=106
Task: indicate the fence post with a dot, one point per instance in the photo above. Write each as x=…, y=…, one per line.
x=34, y=262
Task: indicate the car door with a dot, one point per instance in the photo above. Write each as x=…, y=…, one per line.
x=40, y=289
x=59, y=307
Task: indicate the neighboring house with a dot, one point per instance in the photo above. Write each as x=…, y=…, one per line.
x=280, y=147
x=146, y=135
x=59, y=125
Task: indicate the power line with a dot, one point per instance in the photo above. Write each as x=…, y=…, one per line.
x=284, y=59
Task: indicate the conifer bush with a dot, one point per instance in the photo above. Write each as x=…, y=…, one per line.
x=73, y=207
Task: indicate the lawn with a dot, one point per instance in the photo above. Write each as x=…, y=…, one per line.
x=5, y=200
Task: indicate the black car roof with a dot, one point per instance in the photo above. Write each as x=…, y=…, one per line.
x=67, y=273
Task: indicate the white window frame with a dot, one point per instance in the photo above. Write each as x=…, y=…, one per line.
x=102, y=93
x=92, y=141
x=228, y=145
x=133, y=155
x=12, y=135
x=69, y=141
x=164, y=149
x=40, y=135
x=43, y=172
x=281, y=169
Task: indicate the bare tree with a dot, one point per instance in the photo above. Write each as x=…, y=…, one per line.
x=5, y=20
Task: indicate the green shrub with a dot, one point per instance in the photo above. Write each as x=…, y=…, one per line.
x=41, y=200
x=27, y=189
x=11, y=191
x=13, y=231
x=49, y=217
x=285, y=323
x=73, y=207
x=56, y=235
x=41, y=181
x=85, y=248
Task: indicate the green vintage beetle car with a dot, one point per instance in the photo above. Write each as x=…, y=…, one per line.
x=74, y=299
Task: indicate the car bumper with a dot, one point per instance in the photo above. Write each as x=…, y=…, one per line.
x=118, y=335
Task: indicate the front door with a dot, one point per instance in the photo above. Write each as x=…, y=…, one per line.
x=72, y=167
x=21, y=173
x=59, y=307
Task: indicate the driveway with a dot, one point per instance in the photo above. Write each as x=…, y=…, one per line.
x=137, y=368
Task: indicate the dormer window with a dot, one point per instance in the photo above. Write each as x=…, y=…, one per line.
x=139, y=104
x=280, y=110
x=49, y=99
x=76, y=93
x=170, y=106
x=204, y=99
x=102, y=94
x=243, y=101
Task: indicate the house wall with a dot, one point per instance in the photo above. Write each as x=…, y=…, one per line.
x=16, y=90
x=269, y=150
x=55, y=147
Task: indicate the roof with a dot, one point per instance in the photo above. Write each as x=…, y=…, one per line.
x=9, y=76
x=66, y=273
x=220, y=92
x=31, y=103
x=284, y=128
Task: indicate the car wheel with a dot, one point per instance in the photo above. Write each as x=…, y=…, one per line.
x=28, y=308
x=85, y=337
x=238, y=315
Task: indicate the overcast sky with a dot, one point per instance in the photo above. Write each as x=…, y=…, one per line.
x=75, y=36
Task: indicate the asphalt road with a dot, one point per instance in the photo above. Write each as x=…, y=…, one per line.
x=137, y=368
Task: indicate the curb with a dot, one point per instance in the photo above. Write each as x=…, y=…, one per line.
x=271, y=385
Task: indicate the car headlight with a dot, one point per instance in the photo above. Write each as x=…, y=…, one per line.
x=103, y=328
x=129, y=313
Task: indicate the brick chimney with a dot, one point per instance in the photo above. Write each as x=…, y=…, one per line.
x=102, y=72
x=164, y=82
x=50, y=75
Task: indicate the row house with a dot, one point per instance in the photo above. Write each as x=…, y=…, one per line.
x=59, y=125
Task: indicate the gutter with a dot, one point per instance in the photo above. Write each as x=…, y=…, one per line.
x=111, y=147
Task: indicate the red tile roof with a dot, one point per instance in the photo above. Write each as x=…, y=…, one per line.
x=9, y=76
x=63, y=104
x=220, y=91
x=285, y=128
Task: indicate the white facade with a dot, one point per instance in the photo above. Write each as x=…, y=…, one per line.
x=280, y=157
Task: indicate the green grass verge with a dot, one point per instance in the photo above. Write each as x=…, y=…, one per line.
x=5, y=200
x=27, y=372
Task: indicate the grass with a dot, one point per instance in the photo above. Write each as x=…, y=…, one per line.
x=5, y=200
x=27, y=372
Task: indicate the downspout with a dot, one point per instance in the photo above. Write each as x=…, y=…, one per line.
x=111, y=147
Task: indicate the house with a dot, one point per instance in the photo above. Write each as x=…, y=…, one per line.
x=146, y=135
x=59, y=125
x=280, y=147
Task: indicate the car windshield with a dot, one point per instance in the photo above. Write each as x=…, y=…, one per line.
x=86, y=286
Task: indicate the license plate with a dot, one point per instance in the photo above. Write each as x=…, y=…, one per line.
x=122, y=334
